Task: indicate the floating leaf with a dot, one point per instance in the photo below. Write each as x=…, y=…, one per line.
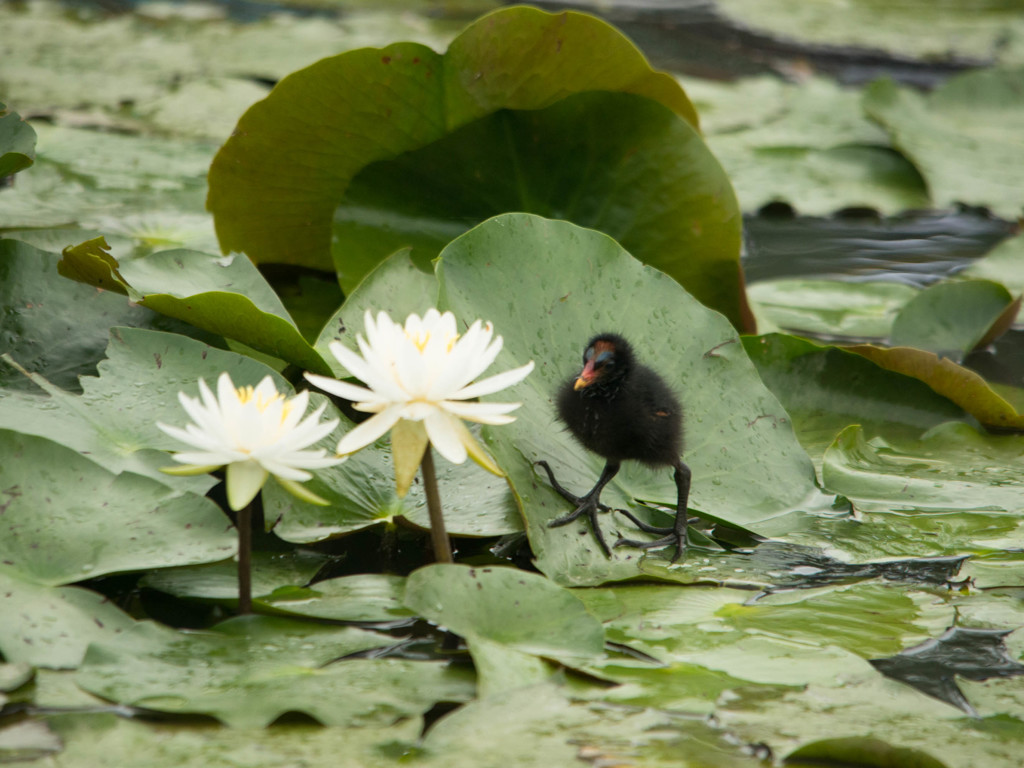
x=523, y=611
x=65, y=518
x=964, y=137
x=825, y=389
x=830, y=307
x=373, y=597
x=56, y=327
x=952, y=318
x=951, y=468
x=747, y=466
x=506, y=83
x=113, y=421
x=55, y=625
x=223, y=295
x=219, y=581
x=861, y=751
x=258, y=668
x=961, y=385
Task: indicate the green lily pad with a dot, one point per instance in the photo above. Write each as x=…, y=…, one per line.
x=219, y=581
x=964, y=137
x=55, y=625
x=952, y=468
x=375, y=597
x=543, y=726
x=113, y=421
x=501, y=88
x=53, y=326
x=972, y=30
x=952, y=318
x=829, y=307
x=258, y=668
x=523, y=611
x=808, y=145
x=748, y=467
x=961, y=385
x=223, y=295
x=27, y=740
x=1003, y=264
x=825, y=389
x=65, y=518
x=646, y=179
x=91, y=738
x=17, y=143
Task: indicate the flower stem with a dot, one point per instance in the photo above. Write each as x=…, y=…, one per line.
x=438, y=535
x=244, y=525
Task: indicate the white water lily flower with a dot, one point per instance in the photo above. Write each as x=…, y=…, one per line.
x=423, y=372
x=254, y=432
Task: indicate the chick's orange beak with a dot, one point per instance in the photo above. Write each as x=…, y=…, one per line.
x=586, y=377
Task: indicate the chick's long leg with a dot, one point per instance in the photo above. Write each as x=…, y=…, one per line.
x=590, y=504
x=677, y=533
x=568, y=495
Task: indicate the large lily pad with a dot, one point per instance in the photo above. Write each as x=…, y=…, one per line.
x=748, y=467
x=258, y=668
x=829, y=307
x=113, y=421
x=66, y=519
x=226, y=296
x=975, y=29
x=53, y=326
x=952, y=468
x=825, y=389
x=964, y=137
x=669, y=198
x=55, y=625
x=961, y=385
x=99, y=738
x=506, y=617
x=810, y=146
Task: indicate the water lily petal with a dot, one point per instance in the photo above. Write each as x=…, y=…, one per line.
x=244, y=480
x=371, y=429
x=484, y=413
x=341, y=388
x=494, y=383
x=445, y=436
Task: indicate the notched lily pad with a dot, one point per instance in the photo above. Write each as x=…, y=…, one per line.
x=223, y=295
x=65, y=518
x=249, y=671
x=505, y=120
x=748, y=467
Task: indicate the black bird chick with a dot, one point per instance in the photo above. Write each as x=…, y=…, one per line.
x=622, y=410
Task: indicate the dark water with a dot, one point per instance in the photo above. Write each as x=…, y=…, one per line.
x=917, y=249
